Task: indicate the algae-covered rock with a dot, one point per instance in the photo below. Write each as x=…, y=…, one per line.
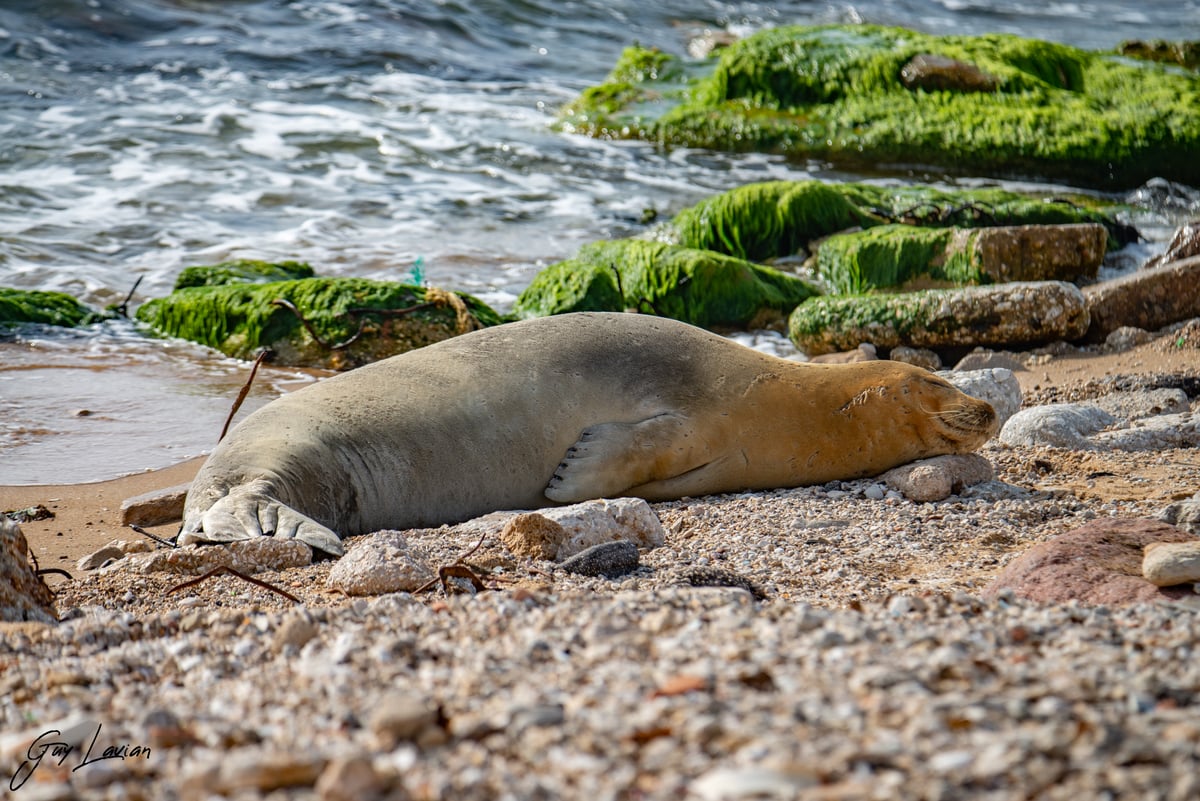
x=242, y=271
x=764, y=220
x=1185, y=54
x=775, y=219
x=349, y=315
x=986, y=105
x=36, y=306
x=1014, y=314
x=700, y=287
x=912, y=257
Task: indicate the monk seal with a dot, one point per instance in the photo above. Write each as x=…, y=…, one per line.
x=559, y=410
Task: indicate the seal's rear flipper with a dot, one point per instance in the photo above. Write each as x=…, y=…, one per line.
x=610, y=458
x=249, y=511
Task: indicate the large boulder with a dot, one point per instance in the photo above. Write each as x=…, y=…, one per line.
x=700, y=287
x=1151, y=299
x=852, y=94
x=334, y=323
x=36, y=306
x=1016, y=314
x=917, y=257
x=780, y=219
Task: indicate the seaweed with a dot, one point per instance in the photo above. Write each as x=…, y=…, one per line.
x=836, y=93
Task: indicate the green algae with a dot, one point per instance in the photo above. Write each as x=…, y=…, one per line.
x=46, y=308
x=240, y=319
x=700, y=287
x=766, y=220
x=242, y=271
x=893, y=255
x=834, y=92
x=781, y=218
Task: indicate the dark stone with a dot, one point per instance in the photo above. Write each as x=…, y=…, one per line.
x=609, y=559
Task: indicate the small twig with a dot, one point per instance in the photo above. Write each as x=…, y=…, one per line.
x=47, y=570
x=459, y=571
x=458, y=562
x=237, y=404
x=216, y=571
x=161, y=541
x=287, y=304
x=123, y=308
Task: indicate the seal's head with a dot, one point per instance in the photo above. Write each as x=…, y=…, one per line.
x=954, y=420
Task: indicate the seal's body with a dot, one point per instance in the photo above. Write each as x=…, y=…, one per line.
x=558, y=410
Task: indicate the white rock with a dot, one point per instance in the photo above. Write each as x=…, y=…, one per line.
x=1159, y=433
x=1183, y=514
x=996, y=385
x=1168, y=563
x=1058, y=425
x=939, y=477
x=559, y=533
x=379, y=563
x=729, y=784
x=1144, y=403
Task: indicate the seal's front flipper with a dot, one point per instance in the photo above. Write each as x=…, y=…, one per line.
x=249, y=511
x=610, y=458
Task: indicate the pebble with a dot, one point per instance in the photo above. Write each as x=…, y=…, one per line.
x=379, y=563
x=1168, y=563
x=610, y=559
x=401, y=717
x=937, y=478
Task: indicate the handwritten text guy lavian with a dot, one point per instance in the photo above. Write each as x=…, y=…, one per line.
x=58, y=751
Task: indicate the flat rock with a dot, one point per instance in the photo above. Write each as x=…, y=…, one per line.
x=1134, y=405
x=580, y=526
x=918, y=357
x=1165, y=564
x=938, y=478
x=1056, y=425
x=1162, y=432
x=1149, y=299
x=379, y=563
x=1020, y=313
x=23, y=594
x=981, y=359
x=251, y=556
x=1099, y=563
x=100, y=558
x=154, y=508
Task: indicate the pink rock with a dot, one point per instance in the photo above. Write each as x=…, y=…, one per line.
x=1099, y=563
